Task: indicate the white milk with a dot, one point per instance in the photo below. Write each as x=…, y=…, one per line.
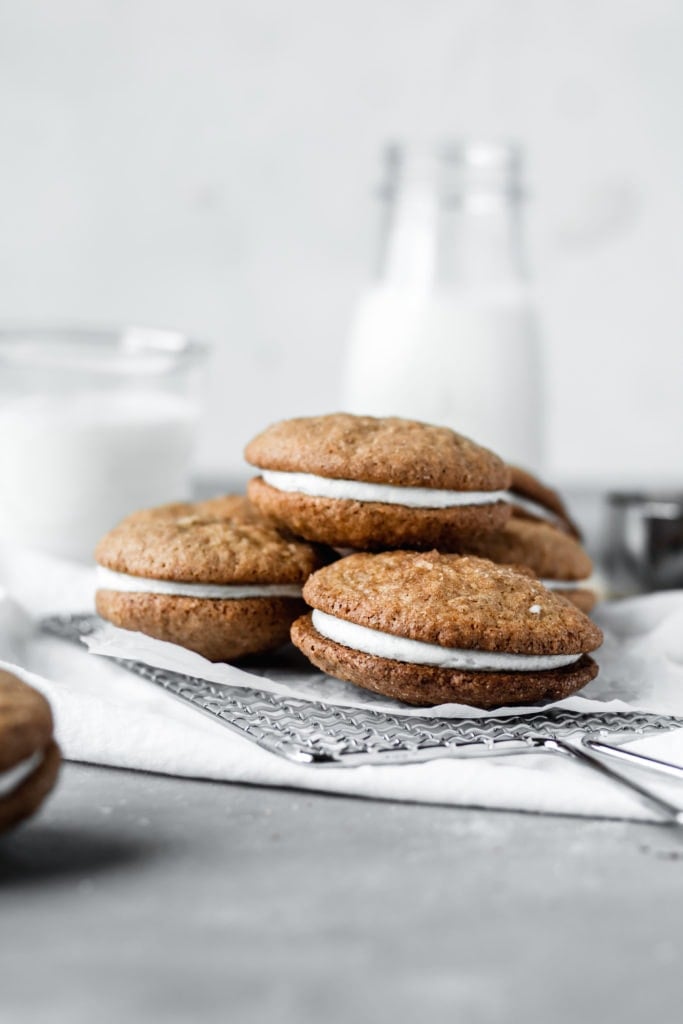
x=72, y=466
x=467, y=359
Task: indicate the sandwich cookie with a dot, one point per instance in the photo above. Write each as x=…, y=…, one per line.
x=532, y=499
x=366, y=483
x=212, y=576
x=556, y=557
x=29, y=756
x=431, y=628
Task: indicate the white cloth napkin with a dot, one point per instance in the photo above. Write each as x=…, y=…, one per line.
x=105, y=715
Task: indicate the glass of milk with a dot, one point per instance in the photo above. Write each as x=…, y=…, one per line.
x=93, y=425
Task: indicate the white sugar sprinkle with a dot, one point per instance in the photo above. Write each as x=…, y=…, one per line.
x=535, y=609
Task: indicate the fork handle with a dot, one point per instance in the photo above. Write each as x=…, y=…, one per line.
x=651, y=800
x=674, y=771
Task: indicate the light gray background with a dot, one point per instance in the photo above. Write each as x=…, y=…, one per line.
x=209, y=165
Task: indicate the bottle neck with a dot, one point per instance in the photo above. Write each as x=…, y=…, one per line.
x=408, y=253
x=480, y=245
x=447, y=226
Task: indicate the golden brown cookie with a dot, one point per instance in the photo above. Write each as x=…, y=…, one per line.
x=432, y=628
x=213, y=576
x=29, y=757
x=369, y=525
x=532, y=499
x=426, y=685
x=555, y=556
x=223, y=540
x=218, y=630
x=584, y=598
x=372, y=483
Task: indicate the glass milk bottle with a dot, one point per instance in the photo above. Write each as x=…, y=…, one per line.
x=447, y=332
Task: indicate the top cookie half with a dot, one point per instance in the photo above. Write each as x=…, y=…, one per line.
x=451, y=601
x=221, y=541
x=367, y=482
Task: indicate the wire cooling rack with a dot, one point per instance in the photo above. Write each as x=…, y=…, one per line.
x=313, y=733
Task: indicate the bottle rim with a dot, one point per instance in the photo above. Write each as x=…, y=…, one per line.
x=127, y=351
x=456, y=168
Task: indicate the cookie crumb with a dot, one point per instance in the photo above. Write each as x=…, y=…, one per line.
x=184, y=521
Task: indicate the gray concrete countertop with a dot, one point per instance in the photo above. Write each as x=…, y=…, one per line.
x=134, y=897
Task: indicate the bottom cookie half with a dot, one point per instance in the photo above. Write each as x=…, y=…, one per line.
x=371, y=525
x=427, y=685
x=28, y=797
x=217, y=629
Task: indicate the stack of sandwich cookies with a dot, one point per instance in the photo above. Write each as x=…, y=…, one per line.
x=532, y=499
x=554, y=555
x=370, y=484
x=29, y=756
x=213, y=577
x=431, y=628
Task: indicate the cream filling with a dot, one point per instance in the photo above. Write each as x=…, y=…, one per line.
x=13, y=777
x=399, y=648
x=534, y=509
x=387, y=494
x=566, y=584
x=123, y=583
